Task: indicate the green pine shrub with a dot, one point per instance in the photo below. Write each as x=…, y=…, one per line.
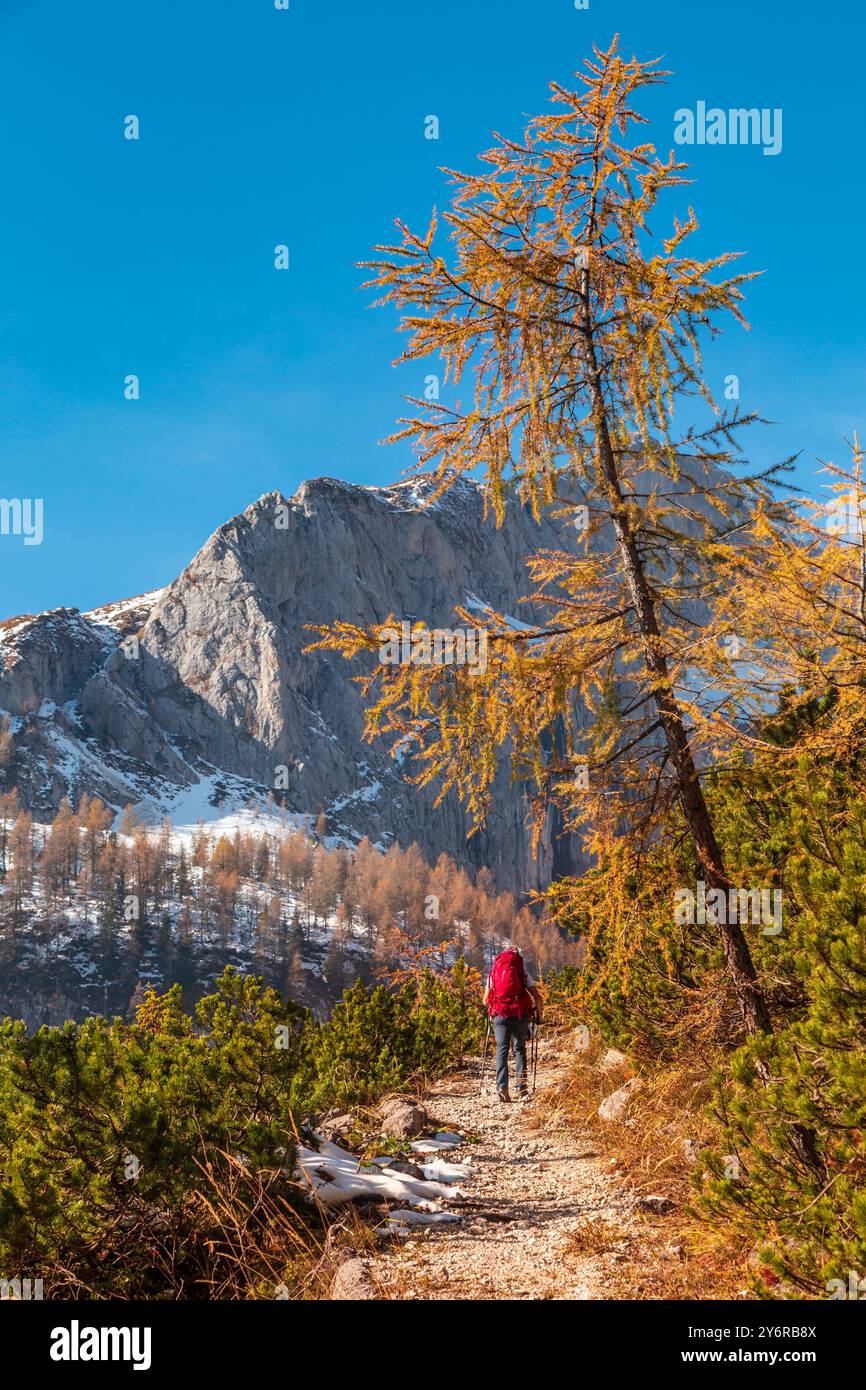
x=376, y=1040
x=807, y=1216
x=155, y=1159
x=661, y=994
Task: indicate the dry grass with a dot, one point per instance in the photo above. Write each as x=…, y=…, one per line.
x=671, y=1256
x=599, y=1238
x=260, y=1242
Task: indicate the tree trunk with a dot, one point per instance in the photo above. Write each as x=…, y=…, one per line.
x=738, y=959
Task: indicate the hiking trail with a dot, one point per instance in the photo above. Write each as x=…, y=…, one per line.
x=540, y=1192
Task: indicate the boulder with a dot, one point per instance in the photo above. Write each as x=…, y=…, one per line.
x=402, y=1165
x=402, y=1119
x=352, y=1282
x=613, y=1058
x=613, y=1108
x=338, y=1126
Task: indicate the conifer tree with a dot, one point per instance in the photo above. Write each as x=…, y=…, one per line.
x=129, y=821
x=7, y=743
x=809, y=1220
x=9, y=803
x=21, y=848
x=582, y=336
x=96, y=819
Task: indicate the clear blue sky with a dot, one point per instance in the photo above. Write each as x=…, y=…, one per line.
x=307, y=127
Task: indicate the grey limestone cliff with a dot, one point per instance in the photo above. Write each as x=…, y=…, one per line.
x=203, y=688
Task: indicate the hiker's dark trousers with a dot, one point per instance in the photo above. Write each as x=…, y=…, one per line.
x=510, y=1033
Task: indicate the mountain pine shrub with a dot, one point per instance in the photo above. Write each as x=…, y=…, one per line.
x=808, y=1222
x=155, y=1158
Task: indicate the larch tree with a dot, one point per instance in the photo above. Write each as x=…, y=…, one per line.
x=581, y=336
x=806, y=649
x=22, y=850
x=7, y=743
x=97, y=821
x=9, y=807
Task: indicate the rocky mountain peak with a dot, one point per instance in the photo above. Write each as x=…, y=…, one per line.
x=200, y=694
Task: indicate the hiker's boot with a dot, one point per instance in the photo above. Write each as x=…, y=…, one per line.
x=503, y=1095
x=522, y=1093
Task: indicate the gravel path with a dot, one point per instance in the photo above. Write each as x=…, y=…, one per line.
x=530, y=1211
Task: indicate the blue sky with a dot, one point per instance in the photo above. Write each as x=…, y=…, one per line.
x=306, y=127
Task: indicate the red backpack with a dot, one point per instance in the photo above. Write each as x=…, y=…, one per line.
x=509, y=995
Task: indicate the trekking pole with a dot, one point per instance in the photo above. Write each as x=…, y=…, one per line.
x=535, y=1050
x=484, y=1056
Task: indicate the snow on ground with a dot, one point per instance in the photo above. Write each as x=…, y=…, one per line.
x=443, y=1140
x=334, y=1177
x=368, y=793
x=113, y=614
x=72, y=754
x=416, y=493
x=13, y=627
x=225, y=804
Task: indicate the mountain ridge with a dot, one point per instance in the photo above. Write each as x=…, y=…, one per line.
x=204, y=683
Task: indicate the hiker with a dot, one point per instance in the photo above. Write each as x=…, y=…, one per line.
x=511, y=997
